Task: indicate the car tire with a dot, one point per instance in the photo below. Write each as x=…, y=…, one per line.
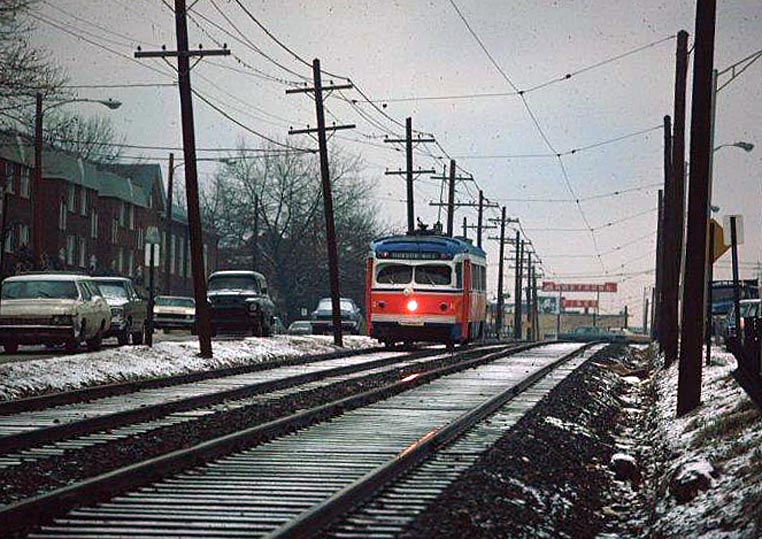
x=266, y=327
x=96, y=342
x=71, y=346
x=11, y=347
x=139, y=336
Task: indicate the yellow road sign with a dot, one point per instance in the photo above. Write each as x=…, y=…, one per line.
x=720, y=247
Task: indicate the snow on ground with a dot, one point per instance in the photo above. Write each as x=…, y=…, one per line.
x=720, y=445
x=33, y=377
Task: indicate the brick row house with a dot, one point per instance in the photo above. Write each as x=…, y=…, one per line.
x=94, y=217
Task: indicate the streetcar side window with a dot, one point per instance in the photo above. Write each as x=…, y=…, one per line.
x=394, y=274
x=433, y=274
x=459, y=275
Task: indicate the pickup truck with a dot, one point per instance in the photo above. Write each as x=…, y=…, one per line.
x=239, y=302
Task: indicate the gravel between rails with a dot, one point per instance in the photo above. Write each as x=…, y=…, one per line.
x=32, y=478
x=546, y=476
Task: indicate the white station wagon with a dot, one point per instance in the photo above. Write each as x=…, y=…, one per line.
x=51, y=309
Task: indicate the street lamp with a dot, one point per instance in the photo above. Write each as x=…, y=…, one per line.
x=111, y=104
x=745, y=146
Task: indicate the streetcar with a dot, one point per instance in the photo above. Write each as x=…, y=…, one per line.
x=425, y=288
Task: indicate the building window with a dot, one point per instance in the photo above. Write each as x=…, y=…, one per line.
x=71, y=244
x=9, y=179
x=114, y=230
x=141, y=237
x=24, y=235
x=131, y=218
x=24, y=183
x=72, y=199
x=62, y=215
x=172, y=247
x=120, y=261
x=206, y=259
x=81, y=252
x=122, y=212
x=130, y=262
x=187, y=259
x=10, y=240
x=94, y=224
x=83, y=202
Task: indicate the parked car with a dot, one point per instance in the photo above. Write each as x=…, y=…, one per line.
x=586, y=334
x=352, y=320
x=129, y=311
x=52, y=309
x=300, y=327
x=174, y=312
x=750, y=308
x=239, y=301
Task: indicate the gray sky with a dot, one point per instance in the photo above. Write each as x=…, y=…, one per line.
x=416, y=48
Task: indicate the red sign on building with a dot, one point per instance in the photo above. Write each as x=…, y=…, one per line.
x=579, y=303
x=550, y=286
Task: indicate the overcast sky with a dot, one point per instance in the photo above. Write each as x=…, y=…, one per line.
x=395, y=50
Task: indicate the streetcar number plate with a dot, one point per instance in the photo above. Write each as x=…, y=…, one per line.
x=411, y=323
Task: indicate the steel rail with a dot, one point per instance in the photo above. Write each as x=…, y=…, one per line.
x=22, y=515
x=321, y=516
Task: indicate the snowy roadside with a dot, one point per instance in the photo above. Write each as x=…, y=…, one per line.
x=714, y=465
x=34, y=377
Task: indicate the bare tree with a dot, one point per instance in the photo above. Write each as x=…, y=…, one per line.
x=92, y=138
x=24, y=70
x=291, y=240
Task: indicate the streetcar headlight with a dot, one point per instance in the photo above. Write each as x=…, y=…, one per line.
x=412, y=305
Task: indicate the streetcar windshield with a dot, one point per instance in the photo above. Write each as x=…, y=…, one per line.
x=433, y=274
x=394, y=274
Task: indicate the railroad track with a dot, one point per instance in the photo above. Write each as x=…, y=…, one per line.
x=299, y=482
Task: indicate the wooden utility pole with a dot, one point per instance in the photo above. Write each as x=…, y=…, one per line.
x=535, y=305
x=674, y=208
x=451, y=199
x=196, y=233
x=36, y=191
x=409, y=173
x=691, y=341
x=736, y=288
x=655, y=325
x=330, y=228
x=483, y=203
x=517, y=288
x=501, y=265
x=168, y=225
x=480, y=219
x=710, y=277
x=669, y=256
x=255, y=236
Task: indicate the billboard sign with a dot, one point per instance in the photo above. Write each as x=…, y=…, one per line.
x=551, y=286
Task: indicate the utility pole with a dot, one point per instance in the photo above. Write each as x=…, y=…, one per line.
x=519, y=278
x=408, y=172
x=451, y=199
x=736, y=289
x=255, y=236
x=183, y=55
x=465, y=227
x=710, y=276
x=479, y=219
x=481, y=205
x=528, y=292
x=168, y=225
x=674, y=208
x=37, y=209
x=501, y=263
x=626, y=317
x=535, y=305
x=689, y=377
x=330, y=228
x=669, y=277
x=656, y=332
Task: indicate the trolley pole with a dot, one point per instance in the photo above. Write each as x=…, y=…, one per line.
x=501, y=265
x=693, y=322
x=465, y=227
x=710, y=277
x=330, y=227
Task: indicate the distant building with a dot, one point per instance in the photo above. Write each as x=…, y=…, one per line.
x=95, y=216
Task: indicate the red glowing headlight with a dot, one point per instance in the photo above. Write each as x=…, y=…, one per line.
x=412, y=305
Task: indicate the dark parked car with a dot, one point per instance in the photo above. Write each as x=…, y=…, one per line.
x=300, y=327
x=128, y=309
x=239, y=301
x=352, y=320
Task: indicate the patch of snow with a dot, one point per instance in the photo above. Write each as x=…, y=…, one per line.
x=566, y=425
x=167, y=358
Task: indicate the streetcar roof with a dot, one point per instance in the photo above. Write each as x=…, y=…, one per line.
x=425, y=244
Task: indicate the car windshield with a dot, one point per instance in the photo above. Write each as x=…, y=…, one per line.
x=300, y=325
x=433, y=274
x=325, y=305
x=394, y=274
x=39, y=289
x=175, y=302
x=233, y=282
x=112, y=290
